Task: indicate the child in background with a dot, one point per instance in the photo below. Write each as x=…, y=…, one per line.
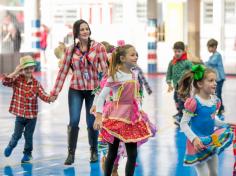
x=177, y=67
x=204, y=143
x=109, y=48
x=123, y=112
x=215, y=62
x=24, y=104
x=142, y=80
x=59, y=52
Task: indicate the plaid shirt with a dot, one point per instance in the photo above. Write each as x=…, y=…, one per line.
x=142, y=79
x=24, y=100
x=85, y=68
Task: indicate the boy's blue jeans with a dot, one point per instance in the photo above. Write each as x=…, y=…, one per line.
x=75, y=99
x=219, y=87
x=26, y=126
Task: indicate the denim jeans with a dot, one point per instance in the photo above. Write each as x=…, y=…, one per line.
x=179, y=104
x=75, y=99
x=27, y=126
x=219, y=93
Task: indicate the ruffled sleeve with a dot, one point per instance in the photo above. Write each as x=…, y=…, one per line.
x=190, y=105
x=190, y=108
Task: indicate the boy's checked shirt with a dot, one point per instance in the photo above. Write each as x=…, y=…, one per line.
x=24, y=99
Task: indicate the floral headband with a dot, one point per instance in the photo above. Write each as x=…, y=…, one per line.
x=198, y=71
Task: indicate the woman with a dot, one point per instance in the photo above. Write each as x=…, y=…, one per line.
x=84, y=57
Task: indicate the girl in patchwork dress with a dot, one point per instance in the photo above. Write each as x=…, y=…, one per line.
x=204, y=140
x=122, y=119
x=102, y=144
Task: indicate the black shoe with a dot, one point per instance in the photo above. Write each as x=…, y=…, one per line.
x=70, y=159
x=93, y=156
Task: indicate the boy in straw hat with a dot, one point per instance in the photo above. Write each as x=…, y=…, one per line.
x=26, y=90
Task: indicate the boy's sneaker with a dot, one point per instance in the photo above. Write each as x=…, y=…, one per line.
x=26, y=158
x=7, y=151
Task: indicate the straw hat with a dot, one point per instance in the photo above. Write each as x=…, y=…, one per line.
x=27, y=61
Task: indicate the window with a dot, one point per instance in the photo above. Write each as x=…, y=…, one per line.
x=208, y=12
x=65, y=16
x=117, y=12
x=142, y=11
x=230, y=11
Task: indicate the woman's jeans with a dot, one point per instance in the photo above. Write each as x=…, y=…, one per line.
x=76, y=98
x=27, y=126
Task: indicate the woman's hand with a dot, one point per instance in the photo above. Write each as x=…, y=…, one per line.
x=97, y=125
x=198, y=145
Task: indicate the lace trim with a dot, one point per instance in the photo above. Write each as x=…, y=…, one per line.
x=210, y=102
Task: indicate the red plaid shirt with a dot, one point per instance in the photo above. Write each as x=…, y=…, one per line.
x=84, y=65
x=24, y=100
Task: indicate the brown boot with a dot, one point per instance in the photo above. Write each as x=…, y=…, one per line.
x=72, y=133
x=114, y=171
x=93, y=142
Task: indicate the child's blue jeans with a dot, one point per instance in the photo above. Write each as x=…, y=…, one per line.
x=26, y=126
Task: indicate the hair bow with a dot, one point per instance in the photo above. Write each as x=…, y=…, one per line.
x=198, y=71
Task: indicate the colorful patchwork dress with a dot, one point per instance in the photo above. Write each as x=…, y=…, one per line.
x=122, y=117
x=102, y=144
x=202, y=124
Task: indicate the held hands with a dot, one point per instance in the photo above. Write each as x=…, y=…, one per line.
x=198, y=145
x=52, y=98
x=97, y=125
